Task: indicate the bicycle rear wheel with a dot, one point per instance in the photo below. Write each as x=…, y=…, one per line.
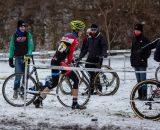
x=7, y=90
x=147, y=107
x=64, y=92
x=106, y=83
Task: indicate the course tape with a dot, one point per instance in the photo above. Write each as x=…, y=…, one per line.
x=88, y=69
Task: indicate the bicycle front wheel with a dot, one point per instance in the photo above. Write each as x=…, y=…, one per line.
x=8, y=90
x=106, y=83
x=64, y=92
x=145, y=99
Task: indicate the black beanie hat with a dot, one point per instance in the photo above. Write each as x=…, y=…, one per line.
x=21, y=23
x=94, y=26
x=138, y=27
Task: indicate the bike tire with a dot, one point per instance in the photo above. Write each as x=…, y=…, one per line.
x=7, y=91
x=66, y=98
x=144, y=108
x=156, y=73
x=109, y=85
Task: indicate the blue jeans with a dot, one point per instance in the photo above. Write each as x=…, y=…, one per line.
x=141, y=76
x=19, y=68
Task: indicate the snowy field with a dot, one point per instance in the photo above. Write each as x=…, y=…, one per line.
x=112, y=112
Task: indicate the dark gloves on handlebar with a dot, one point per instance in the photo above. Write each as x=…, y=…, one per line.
x=11, y=63
x=78, y=59
x=105, y=55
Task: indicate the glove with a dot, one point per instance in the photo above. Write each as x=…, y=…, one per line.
x=11, y=63
x=105, y=55
x=28, y=61
x=100, y=60
x=78, y=59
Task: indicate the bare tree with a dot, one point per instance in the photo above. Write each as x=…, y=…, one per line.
x=105, y=12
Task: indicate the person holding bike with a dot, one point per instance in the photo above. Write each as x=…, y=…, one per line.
x=21, y=43
x=139, y=61
x=65, y=50
x=96, y=47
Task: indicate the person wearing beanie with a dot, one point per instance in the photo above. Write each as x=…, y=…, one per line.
x=139, y=61
x=21, y=43
x=96, y=47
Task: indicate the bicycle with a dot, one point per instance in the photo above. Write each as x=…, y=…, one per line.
x=7, y=89
x=108, y=81
x=152, y=100
x=149, y=107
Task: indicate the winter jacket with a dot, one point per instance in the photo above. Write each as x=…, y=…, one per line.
x=20, y=46
x=138, y=58
x=96, y=47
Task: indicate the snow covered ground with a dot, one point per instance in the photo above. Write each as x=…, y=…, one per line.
x=112, y=112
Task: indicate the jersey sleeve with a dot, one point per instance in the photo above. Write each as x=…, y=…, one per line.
x=30, y=44
x=11, y=47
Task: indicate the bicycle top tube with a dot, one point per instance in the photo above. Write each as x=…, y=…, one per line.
x=56, y=74
x=85, y=62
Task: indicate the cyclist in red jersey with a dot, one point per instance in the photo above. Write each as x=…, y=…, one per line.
x=65, y=50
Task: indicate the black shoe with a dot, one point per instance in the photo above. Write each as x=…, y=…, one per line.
x=77, y=106
x=38, y=102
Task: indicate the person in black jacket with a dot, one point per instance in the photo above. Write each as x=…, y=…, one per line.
x=139, y=60
x=96, y=48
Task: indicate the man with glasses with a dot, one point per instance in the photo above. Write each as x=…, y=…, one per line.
x=96, y=48
x=21, y=43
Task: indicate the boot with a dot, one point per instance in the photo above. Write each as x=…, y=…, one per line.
x=144, y=94
x=15, y=94
x=139, y=93
x=77, y=106
x=38, y=102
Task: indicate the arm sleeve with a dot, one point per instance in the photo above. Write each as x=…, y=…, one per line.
x=146, y=53
x=151, y=45
x=104, y=46
x=11, y=47
x=70, y=55
x=30, y=44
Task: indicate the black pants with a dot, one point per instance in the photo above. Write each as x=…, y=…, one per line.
x=93, y=74
x=55, y=76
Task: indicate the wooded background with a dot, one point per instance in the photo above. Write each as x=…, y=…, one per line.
x=48, y=20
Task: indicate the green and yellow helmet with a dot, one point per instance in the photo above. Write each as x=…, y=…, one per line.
x=77, y=25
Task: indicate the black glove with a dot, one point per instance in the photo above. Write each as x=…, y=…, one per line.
x=100, y=60
x=105, y=55
x=28, y=61
x=11, y=62
x=78, y=59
